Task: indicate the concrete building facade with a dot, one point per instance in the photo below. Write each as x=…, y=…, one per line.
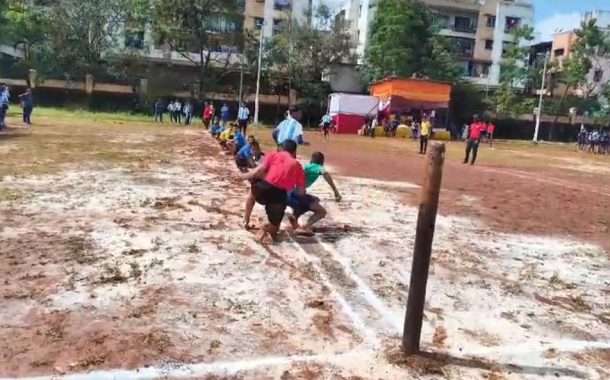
x=270, y=15
x=478, y=29
x=563, y=47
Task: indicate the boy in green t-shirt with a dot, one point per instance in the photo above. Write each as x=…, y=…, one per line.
x=302, y=204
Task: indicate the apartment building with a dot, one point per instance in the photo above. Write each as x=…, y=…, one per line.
x=563, y=47
x=271, y=15
x=478, y=29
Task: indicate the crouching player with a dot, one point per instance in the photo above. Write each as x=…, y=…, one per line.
x=279, y=174
x=249, y=155
x=303, y=203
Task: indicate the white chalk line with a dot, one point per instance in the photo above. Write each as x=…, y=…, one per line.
x=370, y=296
x=370, y=337
x=199, y=369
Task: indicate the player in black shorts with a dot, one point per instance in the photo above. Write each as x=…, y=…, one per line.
x=270, y=184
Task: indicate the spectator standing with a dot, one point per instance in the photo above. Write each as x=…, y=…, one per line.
x=27, y=104
x=424, y=135
x=208, y=114
x=5, y=96
x=172, y=112
x=327, y=122
x=474, y=140
x=243, y=117
x=491, y=129
x=188, y=112
x=289, y=129
x=158, y=110
x=225, y=114
x=178, y=111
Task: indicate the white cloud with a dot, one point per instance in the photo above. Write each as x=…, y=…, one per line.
x=559, y=22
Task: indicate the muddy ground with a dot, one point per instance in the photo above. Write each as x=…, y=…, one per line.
x=121, y=256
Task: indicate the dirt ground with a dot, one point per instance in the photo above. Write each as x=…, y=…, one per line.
x=122, y=257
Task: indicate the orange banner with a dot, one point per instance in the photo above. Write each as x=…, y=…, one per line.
x=415, y=90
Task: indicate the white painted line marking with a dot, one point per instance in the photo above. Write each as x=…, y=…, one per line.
x=369, y=335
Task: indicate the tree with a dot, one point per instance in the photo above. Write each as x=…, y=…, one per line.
x=404, y=42
x=207, y=33
x=83, y=33
x=304, y=53
x=591, y=46
x=514, y=74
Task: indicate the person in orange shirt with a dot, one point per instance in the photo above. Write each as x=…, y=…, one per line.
x=474, y=140
x=491, y=129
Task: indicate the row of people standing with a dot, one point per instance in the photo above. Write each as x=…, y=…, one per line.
x=180, y=112
x=26, y=100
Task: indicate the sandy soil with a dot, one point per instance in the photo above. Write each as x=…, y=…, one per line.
x=135, y=267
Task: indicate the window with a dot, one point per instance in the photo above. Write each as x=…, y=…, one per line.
x=598, y=75
x=512, y=23
x=464, y=47
x=489, y=44
x=134, y=39
x=559, y=52
x=441, y=21
x=477, y=69
x=278, y=25
x=490, y=21
x=463, y=24
x=258, y=23
x=281, y=5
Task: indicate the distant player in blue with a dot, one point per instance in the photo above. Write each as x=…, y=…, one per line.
x=216, y=128
x=249, y=155
x=301, y=204
x=239, y=141
x=225, y=114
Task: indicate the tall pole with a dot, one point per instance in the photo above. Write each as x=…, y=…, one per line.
x=426, y=222
x=241, y=77
x=258, y=77
x=541, y=99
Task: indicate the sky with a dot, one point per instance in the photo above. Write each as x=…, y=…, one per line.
x=551, y=15
x=561, y=15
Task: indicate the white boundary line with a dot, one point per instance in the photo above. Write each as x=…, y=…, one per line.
x=366, y=291
x=369, y=335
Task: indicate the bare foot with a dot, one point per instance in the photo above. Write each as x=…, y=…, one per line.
x=293, y=222
x=261, y=236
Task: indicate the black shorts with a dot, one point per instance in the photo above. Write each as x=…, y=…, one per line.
x=273, y=198
x=242, y=163
x=301, y=204
x=243, y=123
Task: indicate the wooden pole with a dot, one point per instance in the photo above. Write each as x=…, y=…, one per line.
x=423, y=249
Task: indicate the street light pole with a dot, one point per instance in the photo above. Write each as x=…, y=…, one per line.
x=241, y=78
x=541, y=100
x=258, y=77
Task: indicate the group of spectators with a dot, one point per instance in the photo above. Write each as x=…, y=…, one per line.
x=184, y=112
x=26, y=101
x=596, y=141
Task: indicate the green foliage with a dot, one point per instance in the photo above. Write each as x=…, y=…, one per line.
x=591, y=48
x=85, y=35
x=514, y=73
x=305, y=53
x=200, y=27
x=403, y=42
x=467, y=100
